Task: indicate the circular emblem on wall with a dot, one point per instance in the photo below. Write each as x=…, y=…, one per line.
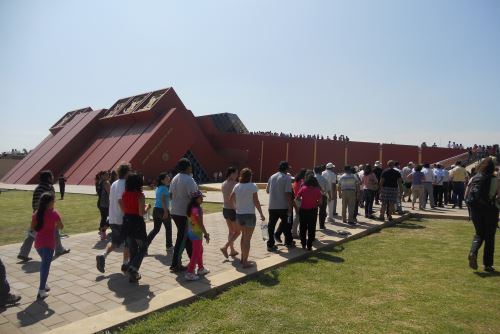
x=165, y=156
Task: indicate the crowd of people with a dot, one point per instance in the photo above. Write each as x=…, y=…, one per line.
x=296, y=204
x=342, y=138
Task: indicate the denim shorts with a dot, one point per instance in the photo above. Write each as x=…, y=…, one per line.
x=246, y=220
x=229, y=214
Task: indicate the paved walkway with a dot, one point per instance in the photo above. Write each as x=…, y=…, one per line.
x=82, y=300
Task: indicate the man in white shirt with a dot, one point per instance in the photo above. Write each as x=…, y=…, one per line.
x=331, y=177
x=181, y=188
x=427, y=183
x=116, y=219
x=406, y=181
x=279, y=188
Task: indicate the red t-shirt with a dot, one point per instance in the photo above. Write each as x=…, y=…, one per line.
x=46, y=237
x=296, y=186
x=130, y=200
x=310, y=197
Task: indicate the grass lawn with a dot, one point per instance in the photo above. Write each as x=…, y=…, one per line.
x=412, y=278
x=79, y=214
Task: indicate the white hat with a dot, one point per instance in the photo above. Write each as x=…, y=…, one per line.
x=377, y=163
x=330, y=165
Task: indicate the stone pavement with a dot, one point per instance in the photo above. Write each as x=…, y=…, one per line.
x=82, y=300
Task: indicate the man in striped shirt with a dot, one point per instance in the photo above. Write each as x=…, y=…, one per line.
x=45, y=185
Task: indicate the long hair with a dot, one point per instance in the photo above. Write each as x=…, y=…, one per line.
x=133, y=182
x=300, y=175
x=311, y=181
x=193, y=203
x=43, y=204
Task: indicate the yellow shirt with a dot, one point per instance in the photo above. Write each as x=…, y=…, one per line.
x=458, y=174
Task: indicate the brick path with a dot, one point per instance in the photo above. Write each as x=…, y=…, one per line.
x=81, y=296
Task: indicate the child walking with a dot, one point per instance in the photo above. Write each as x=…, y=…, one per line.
x=45, y=221
x=195, y=232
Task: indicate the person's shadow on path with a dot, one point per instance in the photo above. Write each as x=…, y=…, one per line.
x=136, y=297
x=35, y=312
x=31, y=267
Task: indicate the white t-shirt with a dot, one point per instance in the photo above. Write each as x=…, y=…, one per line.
x=330, y=176
x=115, y=194
x=181, y=187
x=243, y=193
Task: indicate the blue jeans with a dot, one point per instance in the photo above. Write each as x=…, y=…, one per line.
x=46, y=254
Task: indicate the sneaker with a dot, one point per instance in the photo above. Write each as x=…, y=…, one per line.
x=24, y=258
x=124, y=268
x=100, y=262
x=489, y=269
x=65, y=251
x=42, y=294
x=272, y=249
x=322, y=226
x=178, y=269
x=473, y=261
x=10, y=299
x=191, y=277
x=133, y=276
x=278, y=239
x=103, y=236
x=47, y=287
x=203, y=271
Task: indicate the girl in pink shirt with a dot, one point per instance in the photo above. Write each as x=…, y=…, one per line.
x=44, y=221
x=310, y=197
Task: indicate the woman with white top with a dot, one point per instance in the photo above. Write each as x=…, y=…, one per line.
x=245, y=199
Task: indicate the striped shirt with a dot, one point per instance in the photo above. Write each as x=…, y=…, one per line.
x=39, y=190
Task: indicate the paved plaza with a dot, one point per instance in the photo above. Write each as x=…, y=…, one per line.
x=82, y=300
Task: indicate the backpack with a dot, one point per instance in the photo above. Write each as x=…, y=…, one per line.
x=479, y=192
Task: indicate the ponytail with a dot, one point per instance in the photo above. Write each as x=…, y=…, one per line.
x=43, y=204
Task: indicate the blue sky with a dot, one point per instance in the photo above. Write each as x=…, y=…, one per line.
x=382, y=71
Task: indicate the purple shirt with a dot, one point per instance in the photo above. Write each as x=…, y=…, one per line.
x=417, y=178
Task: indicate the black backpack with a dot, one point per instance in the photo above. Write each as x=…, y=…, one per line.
x=479, y=192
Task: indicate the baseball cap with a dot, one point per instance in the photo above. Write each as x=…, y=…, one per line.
x=330, y=165
x=196, y=194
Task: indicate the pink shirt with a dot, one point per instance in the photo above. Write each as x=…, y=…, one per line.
x=310, y=197
x=370, y=181
x=46, y=237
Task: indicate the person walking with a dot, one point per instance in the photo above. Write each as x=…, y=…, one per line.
x=407, y=170
x=417, y=187
x=325, y=194
x=134, y=206
x=118, y=235
x=377, y=169
x=181, y=188
x=310, y=196
x=246, y=199
x=62, y=185
x=427, y=184
x=348, y=187
x=45, y=221
x=279, y=188
x=103, y=203
x=331, y=177
x=483, y=198
x=45, y=185
x=438, y=185
x=369, y=187
x=229, y=212
x=161, y=211
x=458, y=177
x=446, y=186
x=196, y=232
x=298, y=181
x=391, y=186
x=6, y=297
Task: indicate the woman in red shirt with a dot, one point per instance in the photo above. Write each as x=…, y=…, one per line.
x=310, y=197
x=296, y=185
x=45, y=221
x=134, y=206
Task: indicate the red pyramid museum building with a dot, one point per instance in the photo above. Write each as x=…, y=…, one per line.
x=154, y=130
